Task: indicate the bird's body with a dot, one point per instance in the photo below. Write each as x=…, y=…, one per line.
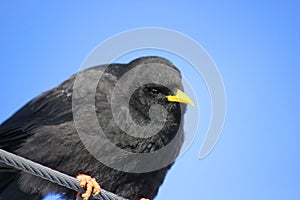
x=44, y=131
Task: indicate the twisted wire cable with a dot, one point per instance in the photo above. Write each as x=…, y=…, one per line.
x=49, y=174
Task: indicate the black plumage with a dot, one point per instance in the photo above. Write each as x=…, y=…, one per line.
x=44, y=131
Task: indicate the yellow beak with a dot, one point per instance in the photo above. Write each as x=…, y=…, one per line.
x=180, y=97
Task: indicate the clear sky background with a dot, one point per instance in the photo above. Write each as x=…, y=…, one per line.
x=255, y=45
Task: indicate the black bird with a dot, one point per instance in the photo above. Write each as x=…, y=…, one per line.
x=45, y=130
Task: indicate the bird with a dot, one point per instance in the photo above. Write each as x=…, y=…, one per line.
x=45, y=131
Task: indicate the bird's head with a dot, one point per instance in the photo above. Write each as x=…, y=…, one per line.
x=157, y=102
x=147, y=102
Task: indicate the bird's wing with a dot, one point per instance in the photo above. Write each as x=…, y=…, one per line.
x=12, y=134
x=51, y=107
x=16, y=129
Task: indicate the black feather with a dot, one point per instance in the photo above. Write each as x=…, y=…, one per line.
x=44, y=131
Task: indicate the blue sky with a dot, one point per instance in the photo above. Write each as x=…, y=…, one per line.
x=256, y=47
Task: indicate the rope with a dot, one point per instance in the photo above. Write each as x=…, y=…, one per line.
x=49, y=174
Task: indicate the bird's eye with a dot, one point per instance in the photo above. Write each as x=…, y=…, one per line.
x=154, y=91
